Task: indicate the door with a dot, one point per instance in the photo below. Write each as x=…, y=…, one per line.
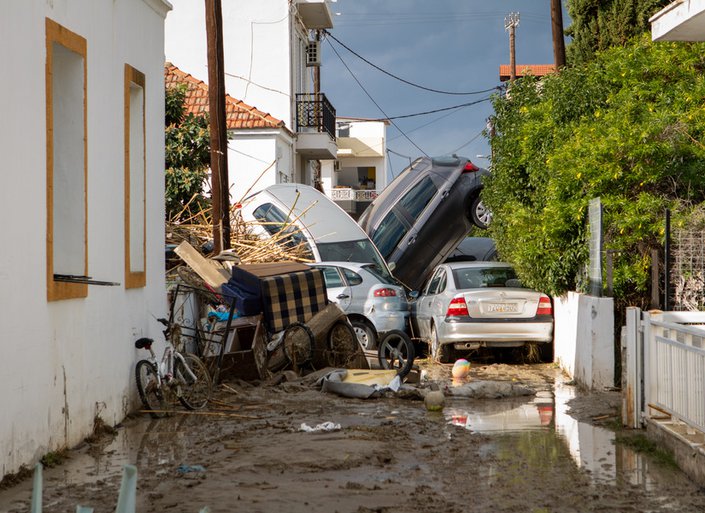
x=338, y=291
x=426, y=303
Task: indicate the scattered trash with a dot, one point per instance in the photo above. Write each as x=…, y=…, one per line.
x=490, y=390
x=434, y=400
x=337, y=382
x=461, y=368
x=325, y=426
x=185, y=469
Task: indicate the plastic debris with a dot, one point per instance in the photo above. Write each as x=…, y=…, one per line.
x=325, y=426
x=185, y=469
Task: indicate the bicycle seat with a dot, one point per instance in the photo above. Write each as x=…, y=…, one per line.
x=144, y=343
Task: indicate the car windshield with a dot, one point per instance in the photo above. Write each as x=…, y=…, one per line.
x=352, y=251
x=479, y=277
x=275, y=222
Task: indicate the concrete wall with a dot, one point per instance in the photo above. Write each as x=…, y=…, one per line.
x=262, y=47
x=66, y=361
x=584, y=339
x=257, y=159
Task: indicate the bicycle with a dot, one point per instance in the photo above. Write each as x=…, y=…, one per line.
x=176, y=376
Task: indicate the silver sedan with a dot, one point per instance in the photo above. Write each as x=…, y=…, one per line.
x=468, y=305
x=374, y=302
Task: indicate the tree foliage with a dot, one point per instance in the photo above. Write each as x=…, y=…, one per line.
x=627, y=127
x=600, y=24
x=187, y=154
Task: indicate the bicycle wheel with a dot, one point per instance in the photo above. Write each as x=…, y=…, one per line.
x=151, y=394
x=396, y=351
x=192, y=393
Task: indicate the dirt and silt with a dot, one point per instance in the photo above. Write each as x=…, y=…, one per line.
x=550, y=451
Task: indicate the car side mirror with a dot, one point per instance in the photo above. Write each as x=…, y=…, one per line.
x=414, y=294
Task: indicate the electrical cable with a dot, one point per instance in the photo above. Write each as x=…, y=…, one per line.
x=436, y=110
x=373, y=100
x=399, y=78
x=467, y=143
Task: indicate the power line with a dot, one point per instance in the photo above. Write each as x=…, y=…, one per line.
x=467, y=143
x=399, y=78
x=436, y=110
x=373, y=100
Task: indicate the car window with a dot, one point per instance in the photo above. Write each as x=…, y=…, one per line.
x=352, y=251
x=474, y=278
x=435, y=282
x=388, y=234
x=352, y=277
x=275, y=221
x=378, y=273
x=418, y=197
x=332, y=277
x=442, y=284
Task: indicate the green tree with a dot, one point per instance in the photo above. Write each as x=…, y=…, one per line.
x=597, y=25
x=626, y=127
x=187, y=154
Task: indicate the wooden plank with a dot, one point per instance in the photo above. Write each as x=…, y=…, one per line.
x=212, y=273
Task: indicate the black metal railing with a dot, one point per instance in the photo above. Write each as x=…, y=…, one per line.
x=313, y=110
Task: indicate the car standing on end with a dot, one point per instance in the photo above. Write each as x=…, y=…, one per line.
x=467, y=305
x=422, y=216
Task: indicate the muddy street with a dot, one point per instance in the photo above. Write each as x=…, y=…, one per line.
x=548, y=452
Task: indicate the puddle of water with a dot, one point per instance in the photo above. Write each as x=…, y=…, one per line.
x=544, y=425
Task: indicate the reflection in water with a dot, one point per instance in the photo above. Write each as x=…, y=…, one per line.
x=541, y=434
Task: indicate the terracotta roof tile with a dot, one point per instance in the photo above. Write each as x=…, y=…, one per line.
x=237, y=113
x=537, y=70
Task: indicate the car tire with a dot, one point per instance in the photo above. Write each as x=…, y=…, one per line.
x=396, y=351
x=365, y=334
x=480, y=215
x=440, y=353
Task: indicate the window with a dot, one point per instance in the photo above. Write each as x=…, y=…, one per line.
x=274, y=221
x=473, y=278
x=135, y=180
x=388, y=234
x=433, y=286
x=67, y=170
x=352, y=277
x=332, y=277
x=418, y=197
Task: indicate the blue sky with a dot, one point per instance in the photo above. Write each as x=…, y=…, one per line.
x=449, y=45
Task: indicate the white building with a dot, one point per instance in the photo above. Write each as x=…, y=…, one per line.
x=265, y=45
x=679, y=21
x=360, y=172
x=83, y=196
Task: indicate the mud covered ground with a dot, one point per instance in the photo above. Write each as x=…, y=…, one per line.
x=389, y=455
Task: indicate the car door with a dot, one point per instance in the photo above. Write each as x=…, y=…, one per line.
x=425, y=304
x=338, y=290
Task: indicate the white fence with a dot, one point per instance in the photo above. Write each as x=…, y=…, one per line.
x=665, y=367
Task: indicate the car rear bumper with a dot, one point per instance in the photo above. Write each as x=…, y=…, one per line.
x=494, y=333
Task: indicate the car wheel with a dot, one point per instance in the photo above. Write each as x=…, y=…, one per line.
x=480, y=215
x=365, y=334
x=438, y=352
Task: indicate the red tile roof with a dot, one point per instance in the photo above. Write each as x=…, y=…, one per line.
x=237, y=113
x=537, y=70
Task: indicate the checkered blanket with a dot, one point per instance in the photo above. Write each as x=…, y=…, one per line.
x=292, y=297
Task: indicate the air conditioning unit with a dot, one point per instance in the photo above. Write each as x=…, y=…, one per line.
x=313, y=53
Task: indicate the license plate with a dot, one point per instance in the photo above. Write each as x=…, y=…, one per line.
x=502, y=308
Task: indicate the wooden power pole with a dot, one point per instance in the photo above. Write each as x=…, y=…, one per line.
x=511, y=22
x=558, y=41
x=218, y=130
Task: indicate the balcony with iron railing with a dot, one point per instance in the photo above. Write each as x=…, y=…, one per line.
x=353, y=201
x=315, y=126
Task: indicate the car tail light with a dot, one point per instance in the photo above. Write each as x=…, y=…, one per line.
x=545, y=307
x=385, y=293
x=470, y=168
x=457, y=308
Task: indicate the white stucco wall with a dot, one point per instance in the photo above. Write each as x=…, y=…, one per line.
x=257, y=159
x=584, y=339
x=262, y=50
x=64, y=362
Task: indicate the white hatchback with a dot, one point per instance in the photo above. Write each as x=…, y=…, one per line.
x=314, y=220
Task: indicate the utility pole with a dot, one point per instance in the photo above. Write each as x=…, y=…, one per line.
x=218, y=131
x=511, y=22
x=558, y=41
